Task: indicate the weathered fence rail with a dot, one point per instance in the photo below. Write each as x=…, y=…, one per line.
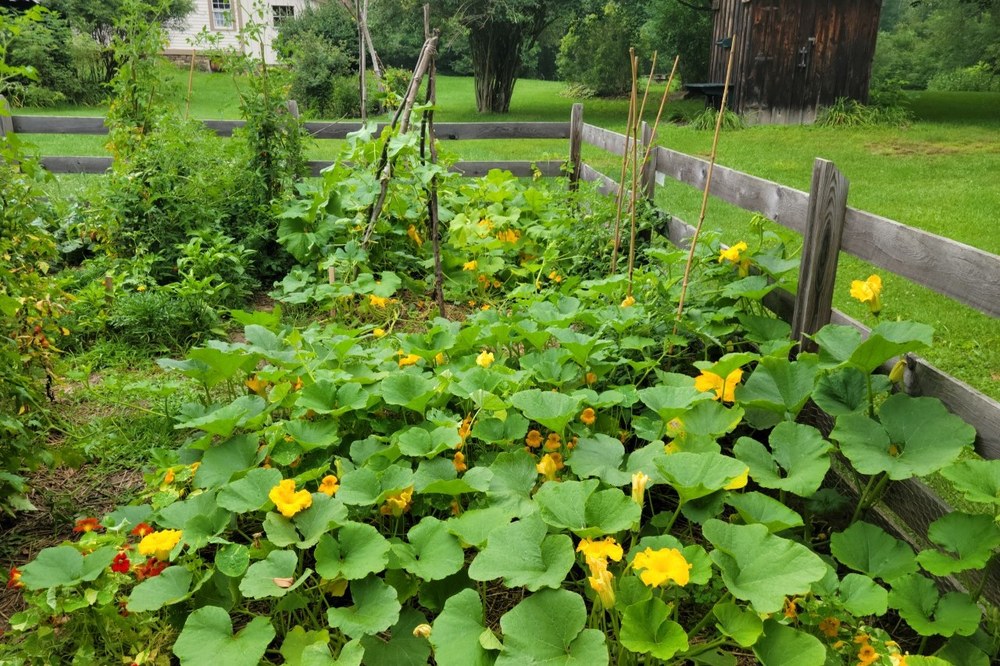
x=828, y=225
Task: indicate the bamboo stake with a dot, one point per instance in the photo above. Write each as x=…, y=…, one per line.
x=635, y=168
x=619, y=198
x=362, y=65
x=187, y=102
x=704, y=196
x=659, y=112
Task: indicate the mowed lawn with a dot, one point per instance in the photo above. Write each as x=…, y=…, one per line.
x=937, y=174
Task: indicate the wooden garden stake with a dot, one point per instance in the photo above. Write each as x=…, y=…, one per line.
x=659, y=112
x=187, y=101
x=704, y=196
x=635, y=166
x=427, y=131
x=619, y=199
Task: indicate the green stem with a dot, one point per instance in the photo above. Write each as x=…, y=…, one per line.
x=871, y=396
x=708, y=616
x=865, y=494
x=673, y=518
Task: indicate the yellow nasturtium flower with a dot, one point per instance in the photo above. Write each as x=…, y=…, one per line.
x=662, y=566
x=485, y=359
x=724, y=388
x=159, y=544
x=398, y=503
x=287, y=500
x=329, y=485
x=868, y=292
x=414, y=235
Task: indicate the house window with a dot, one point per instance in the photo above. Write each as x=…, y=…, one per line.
x=282, y=13
x=222, y=14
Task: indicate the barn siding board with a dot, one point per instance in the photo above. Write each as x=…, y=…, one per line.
x=769, y=85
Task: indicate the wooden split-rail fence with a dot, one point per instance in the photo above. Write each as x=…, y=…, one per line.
x=828, y=225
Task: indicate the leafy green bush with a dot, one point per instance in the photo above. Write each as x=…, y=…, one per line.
x=595, y=51
x=160, y=319
x=977, y=78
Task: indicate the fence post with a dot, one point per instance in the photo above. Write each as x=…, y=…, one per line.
x=293, y=108
x=820, y=251
x=6, y=124
x=575, y=145
x=648, y=184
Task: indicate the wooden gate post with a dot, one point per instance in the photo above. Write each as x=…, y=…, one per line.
x=575, y=145
x=6, y=124
x=820, y=251
x=647, y=185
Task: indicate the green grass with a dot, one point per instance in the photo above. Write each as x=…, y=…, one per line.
x=938, y=174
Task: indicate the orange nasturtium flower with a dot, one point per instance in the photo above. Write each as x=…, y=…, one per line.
x=590, y=378
x=459, y=462
x=534, y=439
x=87, y=525
x=588, y=416
x=553, y=442
x=14, y=579
x=329, y=485
x=465, y=429
x=398, y=503
x=159, y=544
x=287, y=500
x=142, y=529
x=830, y=626
x=867, y=655
x=662, y=566
x=868, y=292
x=725, y=389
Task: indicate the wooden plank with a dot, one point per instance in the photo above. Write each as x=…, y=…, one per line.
x=455, y=131
x=521, y=169
x=6, y=124
x=58, y=125
x=966, y=274
x=922, y=378
x=575, y=144
x=223, y=127
x=785, y=205
x=605, y=184
x=820, y=252
x=613, y=142
x=80, y=164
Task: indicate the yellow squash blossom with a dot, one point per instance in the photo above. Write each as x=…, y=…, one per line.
x=734, y=253
x=398, y=503
x=739, y=481
x=414, y=235
x=588, y=416
x=470, y=265
x=440, y=358
x=639, y=481
x=159, y=544
x=408, y=359
x=602, y=549
x=379, y=332
x=628, y=302
x=287, y=500
x=485, y=359
x=422, y=631
x=724, y=388
x=329, y=485
x=868, y=292
x=549, y=465
x=662, y=566
x=602, y=583
x=378, y=301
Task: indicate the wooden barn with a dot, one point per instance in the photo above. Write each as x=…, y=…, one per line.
x=794, y=56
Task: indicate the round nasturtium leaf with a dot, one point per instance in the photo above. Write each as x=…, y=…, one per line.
x=402, y=647
x=548, y=628
x=170, y=587
x=207, y=639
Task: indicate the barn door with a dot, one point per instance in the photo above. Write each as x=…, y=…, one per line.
x=764, y=42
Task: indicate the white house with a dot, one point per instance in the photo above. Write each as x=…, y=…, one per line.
x=227, y=18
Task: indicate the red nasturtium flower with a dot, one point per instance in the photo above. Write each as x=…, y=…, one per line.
x=141, y=530
x=152, y=567
x=87, y=525
x=14, y=578
x=121, y=563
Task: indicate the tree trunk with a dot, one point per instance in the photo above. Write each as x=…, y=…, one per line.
x=496, y=62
